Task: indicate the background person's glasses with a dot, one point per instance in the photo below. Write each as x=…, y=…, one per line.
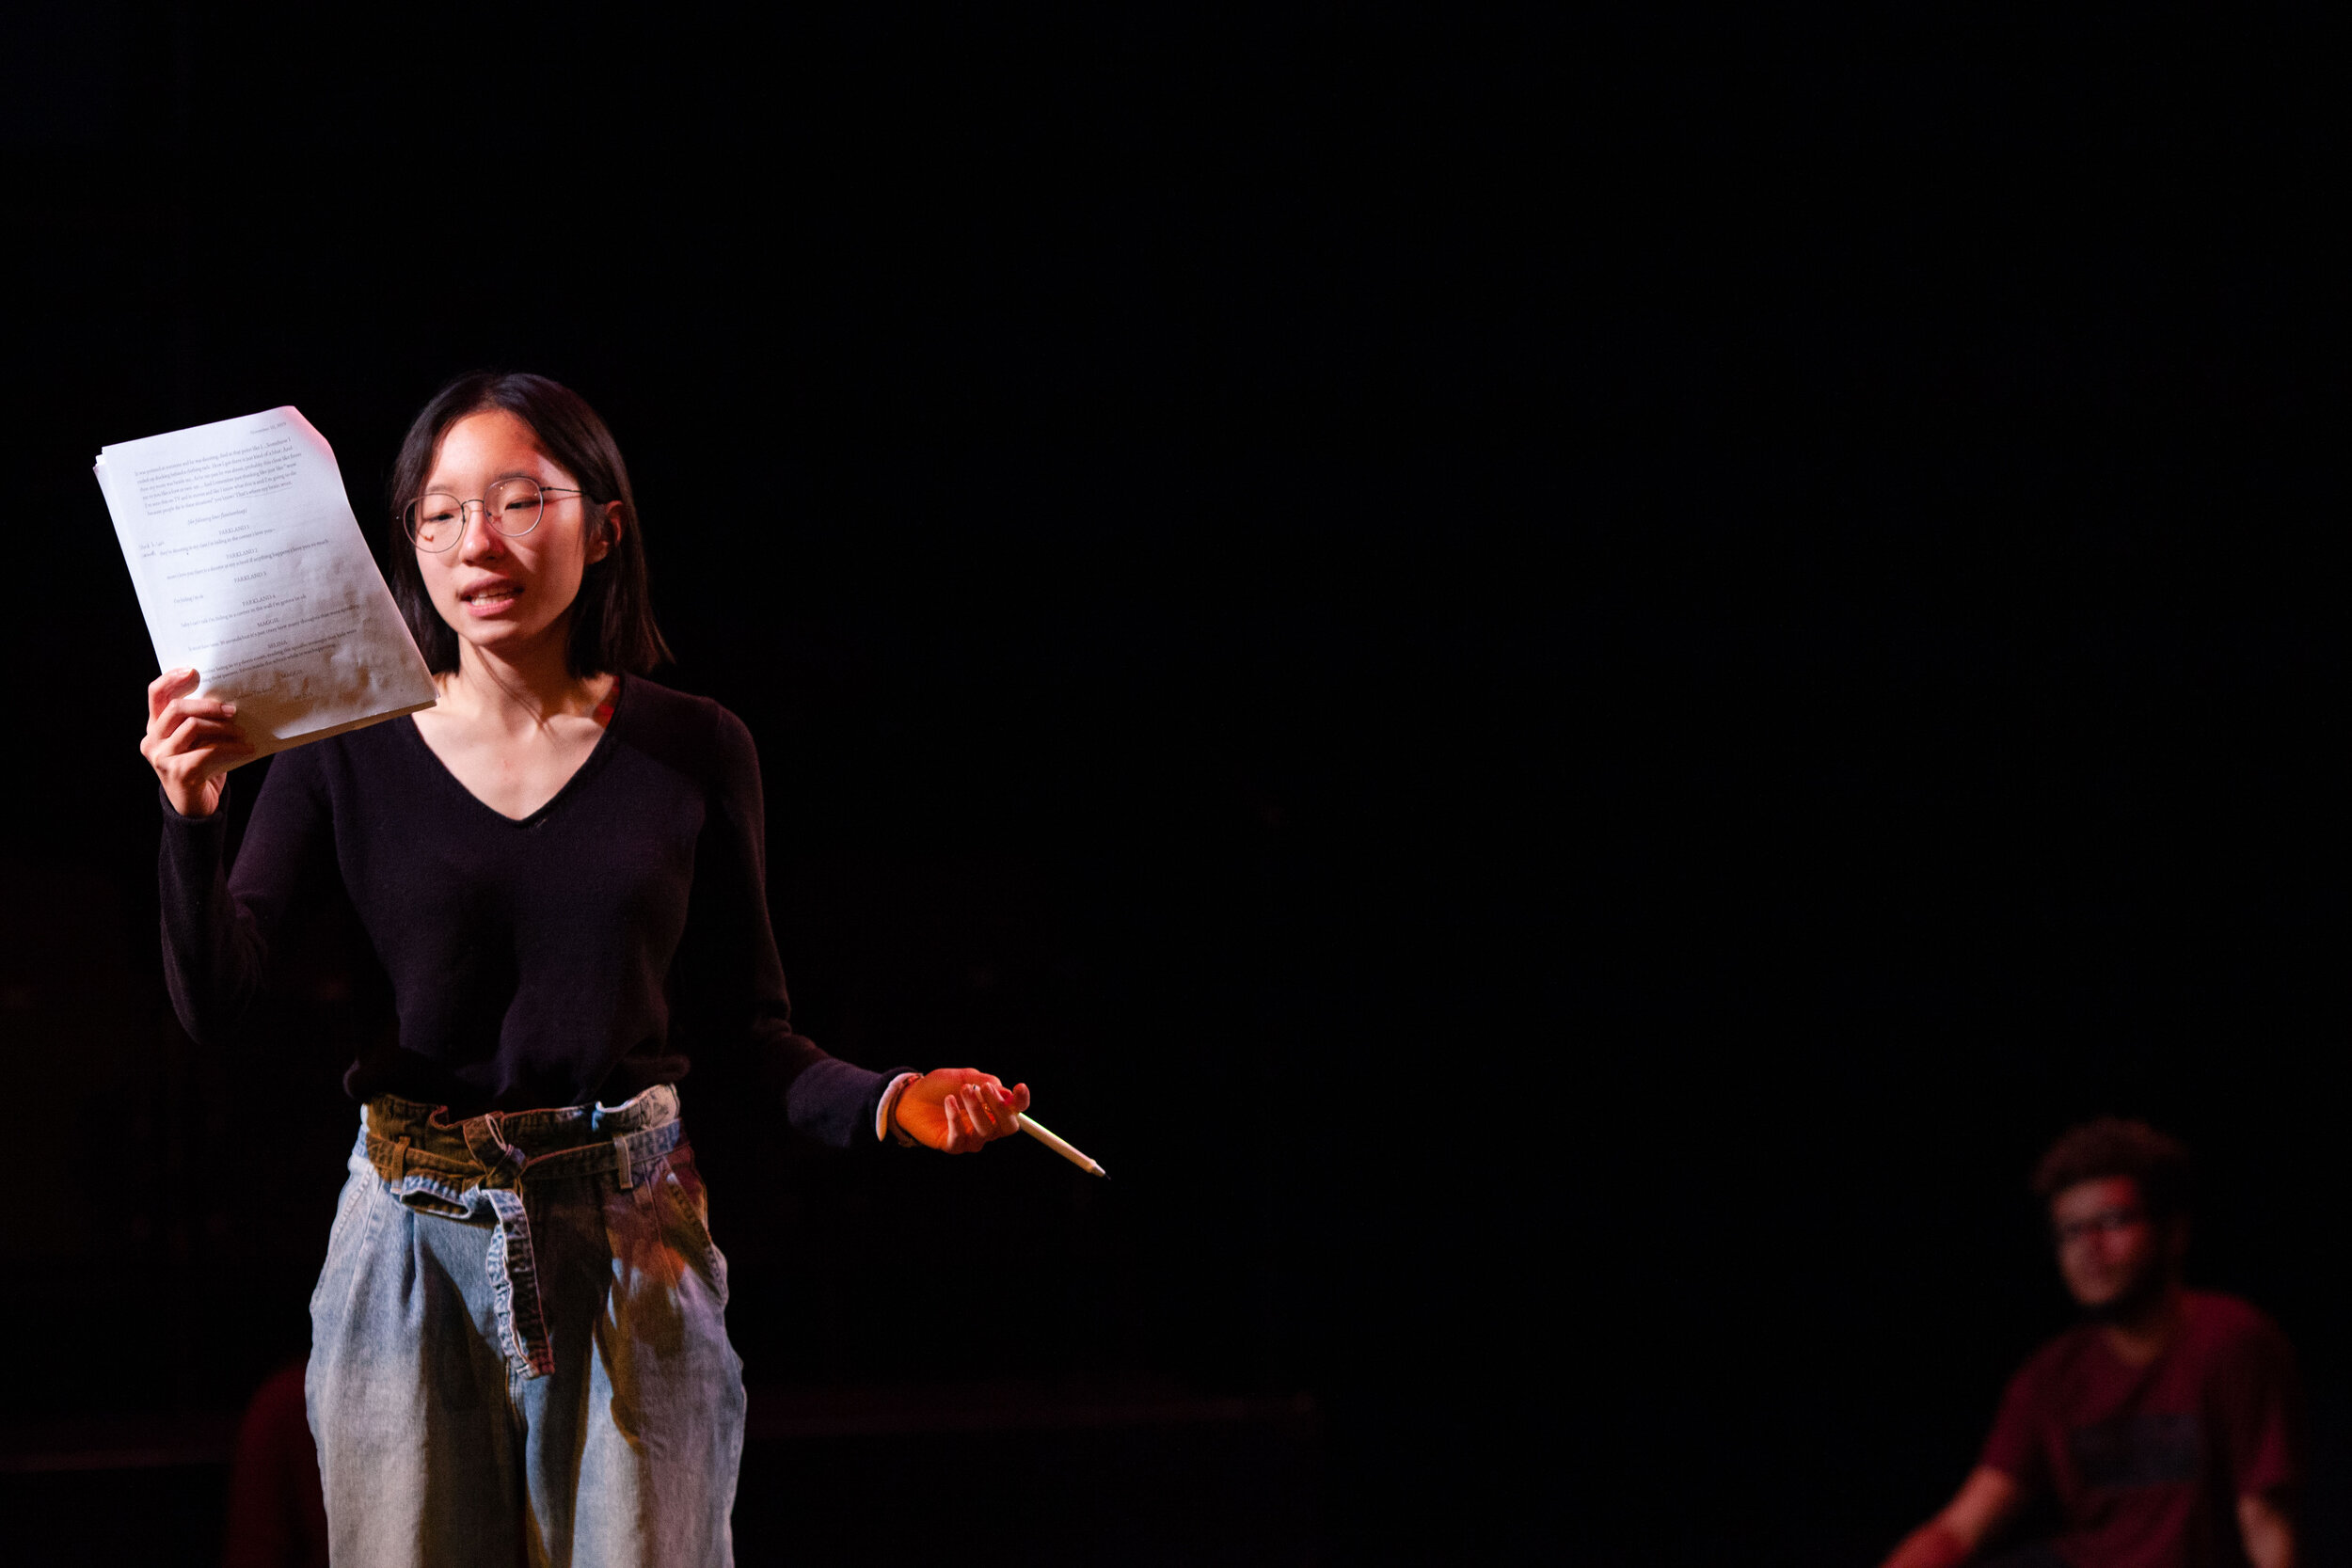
x=2106, y=1222
x=437, y=519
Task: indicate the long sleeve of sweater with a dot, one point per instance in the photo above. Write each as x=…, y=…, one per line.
x=216, y=941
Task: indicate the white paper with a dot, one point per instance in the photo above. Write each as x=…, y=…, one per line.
x=251, y=571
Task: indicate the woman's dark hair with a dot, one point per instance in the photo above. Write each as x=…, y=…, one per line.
x=613, y=629
x=2113, y=1146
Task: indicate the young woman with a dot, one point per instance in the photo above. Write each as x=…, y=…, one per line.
x=519, y=1351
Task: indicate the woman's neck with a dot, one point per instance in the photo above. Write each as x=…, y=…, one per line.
x=521, y=691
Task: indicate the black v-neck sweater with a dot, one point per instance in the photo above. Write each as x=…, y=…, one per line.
x=574, y=956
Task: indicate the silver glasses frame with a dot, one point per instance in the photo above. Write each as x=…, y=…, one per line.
x=464, y=513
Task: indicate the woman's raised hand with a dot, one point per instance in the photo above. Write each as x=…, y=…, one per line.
x=960, y=1109
x=191, y=742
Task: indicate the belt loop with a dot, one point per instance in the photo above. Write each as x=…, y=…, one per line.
x=491, y=1152
x=624, y=1175
x=400, y=1160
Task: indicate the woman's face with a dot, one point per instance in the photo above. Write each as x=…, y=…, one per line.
x=510, y=596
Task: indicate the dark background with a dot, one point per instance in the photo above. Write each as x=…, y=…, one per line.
x=1563, y=683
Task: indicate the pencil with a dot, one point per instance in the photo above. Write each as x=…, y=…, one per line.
x=1037, y=1130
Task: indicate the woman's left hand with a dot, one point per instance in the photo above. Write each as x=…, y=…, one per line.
x=958, y=1110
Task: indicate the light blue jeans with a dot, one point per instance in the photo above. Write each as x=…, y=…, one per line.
x=518, y=1348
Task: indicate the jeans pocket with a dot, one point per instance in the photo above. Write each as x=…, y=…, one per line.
x=685, y=1220
x=354, y=1221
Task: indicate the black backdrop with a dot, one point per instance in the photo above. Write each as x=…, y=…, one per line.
x=1564, y=685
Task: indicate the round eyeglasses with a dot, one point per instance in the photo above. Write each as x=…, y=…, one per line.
x=437, y=519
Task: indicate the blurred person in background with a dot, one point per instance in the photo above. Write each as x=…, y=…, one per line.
x=277, y=1513
x=2164, y=1427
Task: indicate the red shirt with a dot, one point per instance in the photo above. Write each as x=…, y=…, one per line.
x=2146, y=1463
x=277, y=1509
